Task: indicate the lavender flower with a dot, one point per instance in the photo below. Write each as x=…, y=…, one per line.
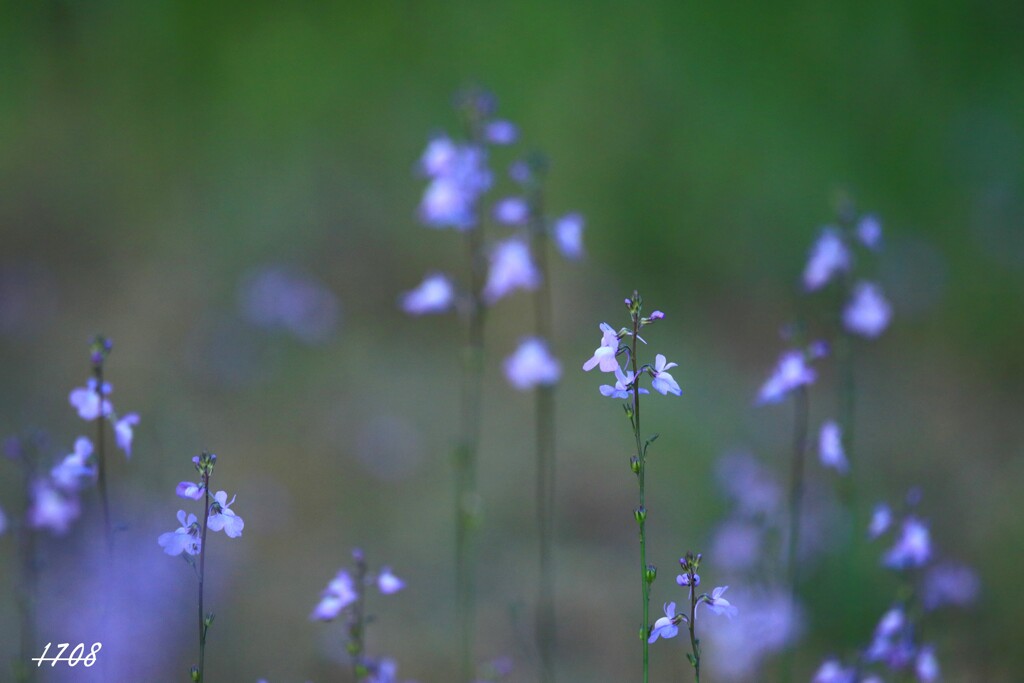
x=869, y=231
x=282, y=298
x=87, y=401
x=51, y=509
x=568, y=233
x=124, y=431
x=511, y=268
x=75, y=467
x=829, y=256
x=532, y=365
x=388, y=583
x=830, y=447
x=339, y=594
x=222, y=517
x=926, y=666
x=604, y=355
x=881, y=520
x=950, y=583
x=435, y=294
x=623, y=385
x=501, y=132
x=512, y=211
x=188, y=489
x=663, y=382
x=184, y=539
x=868, y=312
x=790, y=372
x=667, y=626
x=831, y=671
x=459, y=175
x=912, y=549
x=719, y=605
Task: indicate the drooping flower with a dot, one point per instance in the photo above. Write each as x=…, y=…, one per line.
x=790, y=372
x=719, y=605
x=184, y=539
x=51, y=509
x=123, y=432
x=912, y=549
x=828, y=257
x=388, y=583
x=511, y=268
x=663, y=381
x=512, y=211
x=869, y=231
x=75, y=467
x=830, y=447
x=532, y=365
x=188, y=489
x=622, y=388
x=568, y=233
x=434, y=295
x=868, y=312
x=667, y=626
x=339, y=594
x=222, y=517
x=881, y=520
x=604, y=355
x=87, y=402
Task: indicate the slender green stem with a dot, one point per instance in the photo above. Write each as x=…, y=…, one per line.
x=357, y=622
x=101, y=460
x=642, y=518
x=694, y=643
x=202, y=575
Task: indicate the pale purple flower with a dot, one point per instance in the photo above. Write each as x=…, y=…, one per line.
x=684, y=579
x=569, y=236
x=283, y=298
x=869, y=231
x=666, y=626
x=737, y=546
x=663, y=382
x=622, y=385
x=881, y=520
x=751, y=485
x=434, y=295
x=891, y=623
x=950, y=583
x=926, y=666
x=868, y=312
x=912, y=549
x=790, y=372
x=531, y=365
x=388, y=583
x=501, y=132
x=188, y=489
x=3, y=522
x=831, y=671
x=604, y=355
x=223, y=517
x=719, y=605
x=656, y=315
x=439, y=156
x=830, y=447
x=512, y=211
x=75, y=467
x=184, y=539
x=339, y=594
x=511, y=268
x=828, y=257
x=87, y=402
x=51, y=509
x=123, y=432
x=459, y=177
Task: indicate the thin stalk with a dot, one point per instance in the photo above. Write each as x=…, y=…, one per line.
x=357, y=620
x=544, y=400
x=642, y=519
x=694, y=645
x=202, y=575
x=801, y=412
x=101, y=460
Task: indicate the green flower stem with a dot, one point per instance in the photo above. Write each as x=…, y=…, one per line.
x=101, y=460
x=641, y=452
x=694, y=643
x=202, y=574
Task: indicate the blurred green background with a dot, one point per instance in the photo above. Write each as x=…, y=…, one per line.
x=153, y=155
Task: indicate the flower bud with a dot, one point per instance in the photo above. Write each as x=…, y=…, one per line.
x=650, y=573
x=640, y=514
x=194, y=674
x=634, y=464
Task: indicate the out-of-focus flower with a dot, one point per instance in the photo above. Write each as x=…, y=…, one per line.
x=282, y=298
x=512, y=211
x=124, y=432
x=87, y=401
x=434, y=295
x=439, y=156
x=663, y=382
x=868, y=312
x=531, y=365
x=753, y=487
x=184, y=539
x=568, y=233
x=667, y=626
x=790, y=372
x=222, y=517
x=912, y=549
x=622, y=387
x=926, y=666
x=75, y=467
x=881, y=520
x=501, y=132
x=828, y=257
x=51, y=509
x=950, y=583
x=339, y=594
x=459, y=175
x=831, y=671
x=388, y=583
x=719, y=605
x=869, y=231
x=737, y=545
x=511, y=269
x=604, y=355
x=830, y=447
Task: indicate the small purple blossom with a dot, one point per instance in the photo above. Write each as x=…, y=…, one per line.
x=828, y=257
x=184, y=539
x=622, y=388
x=339, y=594
x=568, y=233
x=87, y=402
x=830, y=447
x=912, y=549
x=439, y=156
x=950, y=583
x=831, y=671
x=388, y=583
x=434, y=295
x=719, y=605
x=790, y=372
x=656, y=315
x=532, y=365
x=75, y=467
x=684, y=579
x=926, y=666
x=663, y=382
x=869, y=231
x=604, y=355
x=881, y=520
x=188, y=489
x=279, y=297
x=667, y=626
x=512, y=211
x=511, y=268
x=51, y=509
x=459, y=177
x=868, y=312
x=124, y=432
x=222, y=517
x=501, y=132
